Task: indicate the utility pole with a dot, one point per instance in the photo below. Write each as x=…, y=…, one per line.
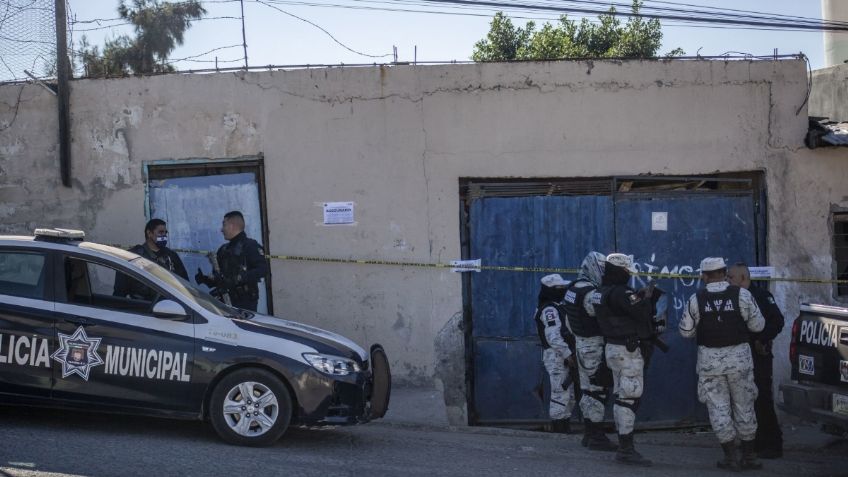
x=243, y=35
x=63, y=71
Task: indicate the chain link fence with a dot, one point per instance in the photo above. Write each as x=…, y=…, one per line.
x=27, y=39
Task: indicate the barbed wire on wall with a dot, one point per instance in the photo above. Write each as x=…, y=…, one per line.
x=27, y=39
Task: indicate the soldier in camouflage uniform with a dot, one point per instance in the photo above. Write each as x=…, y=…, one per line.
x=721, y=316
x=625, y=317
x=769, y=441
x=595, y=377
x=557, y=355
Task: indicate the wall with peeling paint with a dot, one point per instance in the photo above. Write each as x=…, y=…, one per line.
x=396, y=140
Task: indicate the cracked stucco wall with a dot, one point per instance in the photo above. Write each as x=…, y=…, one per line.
x=829, y=95
x=396, y=140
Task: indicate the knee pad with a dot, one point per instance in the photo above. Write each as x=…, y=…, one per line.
x=630, y=387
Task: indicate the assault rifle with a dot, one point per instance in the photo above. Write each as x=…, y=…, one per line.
x=659, y=307
x=216, y=269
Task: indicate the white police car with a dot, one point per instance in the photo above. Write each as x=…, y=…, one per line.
x=67, y=340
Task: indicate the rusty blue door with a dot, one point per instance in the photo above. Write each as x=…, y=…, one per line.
x=510, y=383
x=671, y=234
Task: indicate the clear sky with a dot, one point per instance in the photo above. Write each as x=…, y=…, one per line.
x=276, y=38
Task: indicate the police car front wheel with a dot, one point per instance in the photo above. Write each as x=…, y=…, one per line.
x=250, y=407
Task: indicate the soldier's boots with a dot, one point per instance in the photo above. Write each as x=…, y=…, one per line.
x=627, y=453
x=561, y=426
x=749, y=457
x=594, y=437
x=731, y=457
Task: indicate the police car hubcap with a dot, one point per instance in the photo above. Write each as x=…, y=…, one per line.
x=251, y=409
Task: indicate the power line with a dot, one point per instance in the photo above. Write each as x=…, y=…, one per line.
x=464, y=10
x=187, y=58
x=821, y=26
x=126, y=23
x=324, y=30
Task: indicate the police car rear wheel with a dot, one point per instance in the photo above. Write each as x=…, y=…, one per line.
x=250, y=407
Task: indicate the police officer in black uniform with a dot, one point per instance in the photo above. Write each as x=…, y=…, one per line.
x=626, y=320
x=769, y=440
x=155, y=248
x=242, y=263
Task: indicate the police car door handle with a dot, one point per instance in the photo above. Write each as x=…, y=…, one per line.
x=78, y=320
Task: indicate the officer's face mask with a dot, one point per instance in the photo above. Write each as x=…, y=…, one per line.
x=162, y=241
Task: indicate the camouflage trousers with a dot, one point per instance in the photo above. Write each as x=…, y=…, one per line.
x=562, y=398
x=730, y=402
x=627, y=375
x=590, y=355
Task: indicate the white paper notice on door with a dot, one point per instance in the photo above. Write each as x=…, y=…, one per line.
x=761, y=272
x=338, y=213
x=659, y=221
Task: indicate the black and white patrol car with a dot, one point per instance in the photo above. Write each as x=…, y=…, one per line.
x=68, y=340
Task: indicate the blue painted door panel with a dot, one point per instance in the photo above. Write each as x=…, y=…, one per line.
x=698, y=226
x=533, y=232
x=510, y=382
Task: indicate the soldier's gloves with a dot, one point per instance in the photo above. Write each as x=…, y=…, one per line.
x=761, y=348
x=647, y=292
x=202, y=279
x=570, y=362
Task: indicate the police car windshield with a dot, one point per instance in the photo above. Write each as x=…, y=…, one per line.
x=188, y=290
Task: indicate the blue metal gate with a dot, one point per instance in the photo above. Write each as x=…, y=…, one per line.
x=696, y=226
x=509, y=383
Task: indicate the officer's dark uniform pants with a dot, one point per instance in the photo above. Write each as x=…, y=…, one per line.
x=769, y=435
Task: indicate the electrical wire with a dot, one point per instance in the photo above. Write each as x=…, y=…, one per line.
x=324, y=30
x=522, y=15
x=538, y=6
x=126, y=23
x=170, y=62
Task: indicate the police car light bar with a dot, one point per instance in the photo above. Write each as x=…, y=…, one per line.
x=67, y=234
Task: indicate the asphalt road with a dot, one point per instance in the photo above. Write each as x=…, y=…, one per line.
x=56, y=443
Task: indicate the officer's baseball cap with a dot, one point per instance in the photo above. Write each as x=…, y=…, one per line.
x=554, y=280
x=711, y=264
x=622, y=261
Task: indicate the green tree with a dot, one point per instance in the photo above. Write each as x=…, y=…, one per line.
x=159, y=28
x=608, y=38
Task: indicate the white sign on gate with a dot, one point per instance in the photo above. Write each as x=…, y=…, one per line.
x=659, y=221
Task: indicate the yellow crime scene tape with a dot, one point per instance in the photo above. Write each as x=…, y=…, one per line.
x=498, y=268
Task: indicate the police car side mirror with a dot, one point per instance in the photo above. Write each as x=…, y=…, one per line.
x=169, y=309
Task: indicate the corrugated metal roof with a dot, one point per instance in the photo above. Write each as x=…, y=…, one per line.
x=838, y=135
x=825, y=133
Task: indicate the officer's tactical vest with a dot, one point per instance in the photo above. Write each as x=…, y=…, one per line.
x=233, y=261
x=540, y=322
x=163, y=260
x=721, y=322
x=579, y=321
x=614, y=320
